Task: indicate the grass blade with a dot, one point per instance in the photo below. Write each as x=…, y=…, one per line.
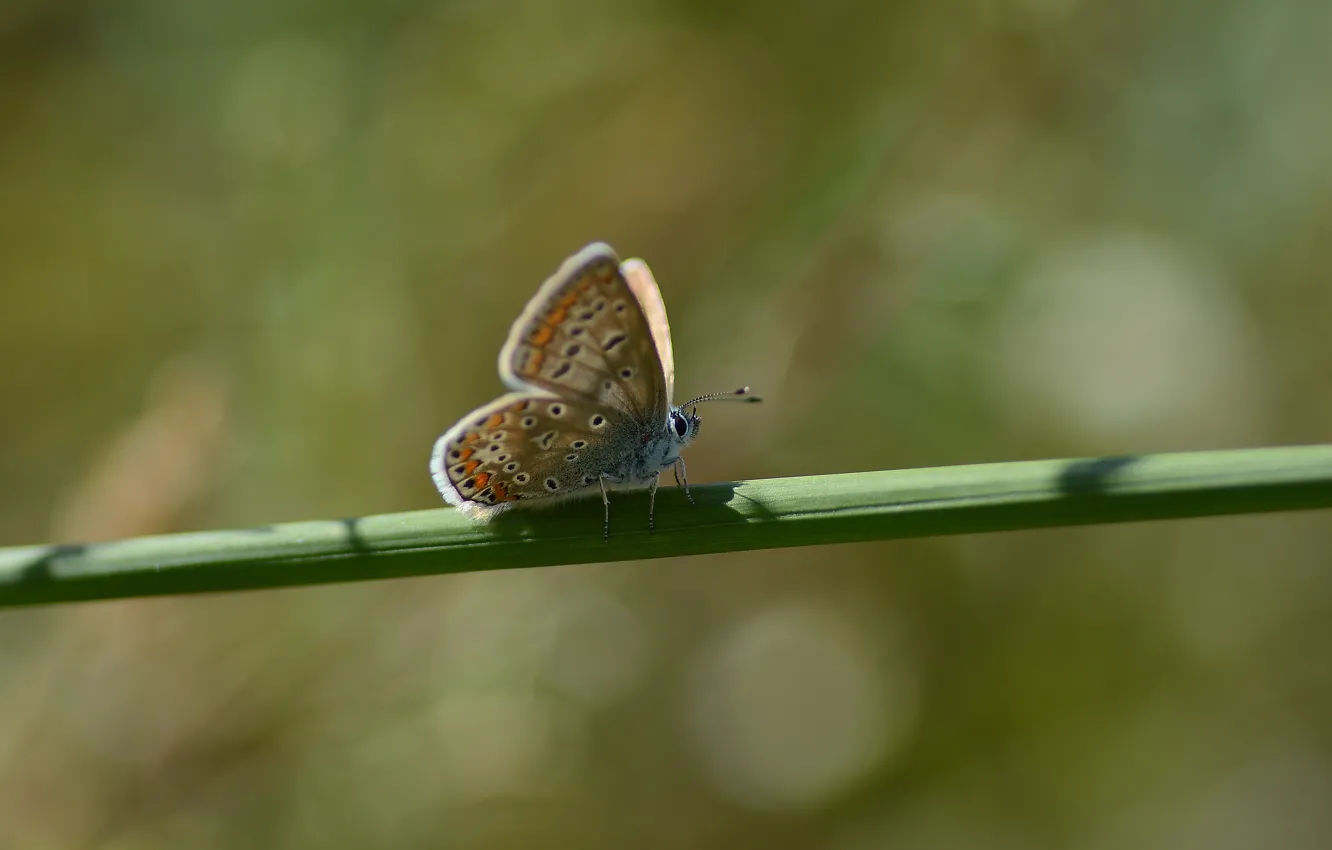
x=729, y=517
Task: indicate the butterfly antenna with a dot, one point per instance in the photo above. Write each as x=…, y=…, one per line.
x=741, y=394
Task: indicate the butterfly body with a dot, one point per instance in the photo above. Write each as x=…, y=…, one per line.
x=591, y=372
x=657, y=451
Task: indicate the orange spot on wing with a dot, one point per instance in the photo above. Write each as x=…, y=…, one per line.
x=521, y=406
x=560, y=311
x=543, y=335
x=501, y=492
x=481, y=480
x=495, y=420
x=534, y=363
x=464, y=454
x=471, y=465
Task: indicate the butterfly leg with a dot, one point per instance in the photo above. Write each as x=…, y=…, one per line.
x=605, y=501
x=652, y=504
x=682, y=478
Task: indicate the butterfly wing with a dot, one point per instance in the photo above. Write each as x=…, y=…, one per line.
x=527, y=448
x=644, y=286
x=590, y=336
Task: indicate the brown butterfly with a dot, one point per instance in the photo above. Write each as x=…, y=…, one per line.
x=591, y=371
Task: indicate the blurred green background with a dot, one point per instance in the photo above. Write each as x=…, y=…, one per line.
x=256, y=256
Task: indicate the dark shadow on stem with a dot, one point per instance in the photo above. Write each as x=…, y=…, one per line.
x=1092, y=477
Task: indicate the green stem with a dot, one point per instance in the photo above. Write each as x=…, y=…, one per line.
x=728, y=517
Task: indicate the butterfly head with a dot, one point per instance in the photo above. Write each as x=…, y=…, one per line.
x=682, y=426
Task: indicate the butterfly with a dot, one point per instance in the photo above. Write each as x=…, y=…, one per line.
x=591, y=372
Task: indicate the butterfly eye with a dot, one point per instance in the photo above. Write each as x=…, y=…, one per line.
x=680, y=425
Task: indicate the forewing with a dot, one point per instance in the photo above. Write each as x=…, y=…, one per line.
x=644, y=287
x=527, y=448
x=586, y=336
